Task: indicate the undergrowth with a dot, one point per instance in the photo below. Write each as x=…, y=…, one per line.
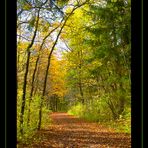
x=29, y=130
x=95, y=113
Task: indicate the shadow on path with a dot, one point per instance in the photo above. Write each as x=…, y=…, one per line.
x=71, y=132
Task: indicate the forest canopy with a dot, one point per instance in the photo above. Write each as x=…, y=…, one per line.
x=73, y=56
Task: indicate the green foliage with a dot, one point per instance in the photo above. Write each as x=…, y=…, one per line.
x=61, y=3
x=123, y=124
x=29, y=130
x=32, y=22
x=95, y=67
x=103, y=68
x=98, y=112
x=77, y=110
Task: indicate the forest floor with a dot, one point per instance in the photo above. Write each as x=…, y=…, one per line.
x=67, y=131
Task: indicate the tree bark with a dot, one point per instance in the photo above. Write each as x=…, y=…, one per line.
x=80, y=76
x=46, y=74
x=34, y=73
x=26, y=74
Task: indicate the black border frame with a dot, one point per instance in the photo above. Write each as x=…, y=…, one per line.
x=10, y=82
x=136, y=74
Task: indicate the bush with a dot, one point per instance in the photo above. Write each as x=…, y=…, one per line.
x=30, y=129
x=77, y=110
x=98, y=111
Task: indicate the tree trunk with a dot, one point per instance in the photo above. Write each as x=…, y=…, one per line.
x=36, y=83
x=121, y=101
x=35, y=69
x=24, y=94
x=49, y=57
x=56, y=103
x=25, y=76
x=32, y=89
x=80, y=76
x=112, y=108
x=81, y=92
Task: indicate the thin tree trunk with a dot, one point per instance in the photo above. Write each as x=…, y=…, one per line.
x=46, y=74
x=56, y=103
x=35, y=69
x=112, y=108
x=32, y=89
x=24, y=94
x=80, y=76
x=81, y=92
x=121, y=101
x=36, y=83
x=25, y=76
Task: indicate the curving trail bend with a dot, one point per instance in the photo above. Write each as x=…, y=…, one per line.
x=71, y=132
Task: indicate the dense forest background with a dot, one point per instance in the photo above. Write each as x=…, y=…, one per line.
x=73, y=56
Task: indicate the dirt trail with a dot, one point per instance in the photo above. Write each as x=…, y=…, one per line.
x=71, y=132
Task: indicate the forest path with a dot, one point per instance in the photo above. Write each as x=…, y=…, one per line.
x=68, y=131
